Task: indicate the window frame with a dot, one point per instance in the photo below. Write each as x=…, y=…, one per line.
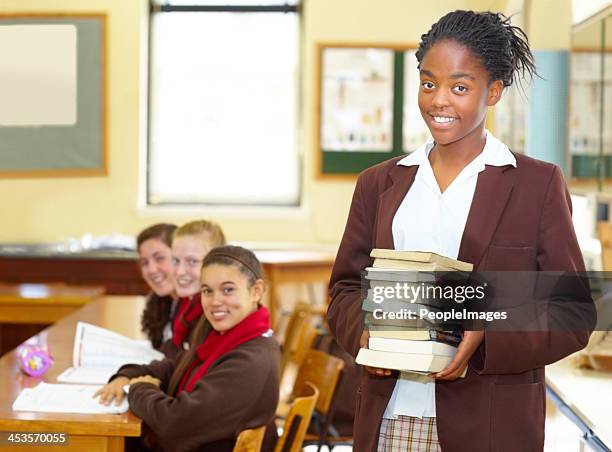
x=227, y=208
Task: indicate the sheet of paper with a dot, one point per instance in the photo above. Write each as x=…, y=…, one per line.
x=83, y=375
x=60, y=398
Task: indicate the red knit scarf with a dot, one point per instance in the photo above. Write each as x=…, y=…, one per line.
x=216, y=345
x=188, y=311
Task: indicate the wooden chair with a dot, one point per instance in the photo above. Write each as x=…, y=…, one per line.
x=250, y=440
x=604, y=232
x=294, y=332
x=297, y=420
x=323, y=371
x=301, y=345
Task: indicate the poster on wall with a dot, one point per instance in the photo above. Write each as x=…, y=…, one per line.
x=415, y=131
x=357, y=99
x=52, y=86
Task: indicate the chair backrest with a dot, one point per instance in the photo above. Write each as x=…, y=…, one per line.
x=304, y=344
x=604, y=231
x=322, y=370
x=289, y=374
x=298, y=420
x=250, y=440
x=294, y=332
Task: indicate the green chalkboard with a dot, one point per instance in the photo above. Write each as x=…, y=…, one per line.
x=58, y=147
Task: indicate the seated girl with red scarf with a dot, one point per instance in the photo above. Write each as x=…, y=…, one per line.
x=226, y=382
x=190, y=244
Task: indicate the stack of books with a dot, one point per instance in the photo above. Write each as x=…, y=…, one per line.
x=417, y=261
x=400, y=311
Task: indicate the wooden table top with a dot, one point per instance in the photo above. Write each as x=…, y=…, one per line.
x=295, y=257
x=118, y=313
x=587, y=392
x=34, y=294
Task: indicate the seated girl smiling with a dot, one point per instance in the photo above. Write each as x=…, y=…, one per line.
x=228, y=379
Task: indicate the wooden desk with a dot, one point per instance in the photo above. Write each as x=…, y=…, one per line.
x=26, y=309
x=87, y=432
x=585, y=396
x=42, y=303
x=118, y=273
x=293, y=267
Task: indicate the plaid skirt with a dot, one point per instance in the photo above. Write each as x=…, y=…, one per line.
x=408, y=434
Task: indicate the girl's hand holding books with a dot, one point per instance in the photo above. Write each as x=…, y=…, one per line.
x=363, y=343
x=468, y=345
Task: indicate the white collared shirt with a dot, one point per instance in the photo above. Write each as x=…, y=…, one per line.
x=167, y=331
x=428, y=220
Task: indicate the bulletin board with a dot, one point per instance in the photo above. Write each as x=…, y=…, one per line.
x=367, y=107
x=52, y=86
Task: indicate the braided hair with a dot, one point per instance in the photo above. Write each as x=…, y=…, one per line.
x=502, y=47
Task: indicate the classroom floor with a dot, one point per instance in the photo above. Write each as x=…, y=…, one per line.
x=561, y=434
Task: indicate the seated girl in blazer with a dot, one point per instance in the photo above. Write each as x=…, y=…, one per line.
x=227, y=381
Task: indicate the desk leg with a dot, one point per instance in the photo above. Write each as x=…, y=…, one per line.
x=116, y=444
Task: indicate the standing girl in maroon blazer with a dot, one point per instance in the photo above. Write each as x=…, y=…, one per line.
x=228, y=380
x=154, y=246
x=465, y=195
x=190, y=244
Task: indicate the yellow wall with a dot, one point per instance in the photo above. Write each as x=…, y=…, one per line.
x=37, y=210
x=550, y=24
x=52, y=209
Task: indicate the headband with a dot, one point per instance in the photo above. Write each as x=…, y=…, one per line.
x=235, y=258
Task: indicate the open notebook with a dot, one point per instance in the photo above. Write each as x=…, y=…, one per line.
x=98, y=353
x=58, y=398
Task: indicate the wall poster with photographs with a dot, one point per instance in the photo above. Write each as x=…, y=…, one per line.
x=415, y=130
x=357, y=100
x=589, y=143
x=365, y=106
x=510, y=117
x=590, y=100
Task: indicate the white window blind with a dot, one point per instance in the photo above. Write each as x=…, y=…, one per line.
x=222, y=108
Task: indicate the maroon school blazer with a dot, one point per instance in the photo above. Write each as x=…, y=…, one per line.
x=520, y=219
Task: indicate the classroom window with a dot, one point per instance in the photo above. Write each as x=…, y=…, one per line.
x=223, y=103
